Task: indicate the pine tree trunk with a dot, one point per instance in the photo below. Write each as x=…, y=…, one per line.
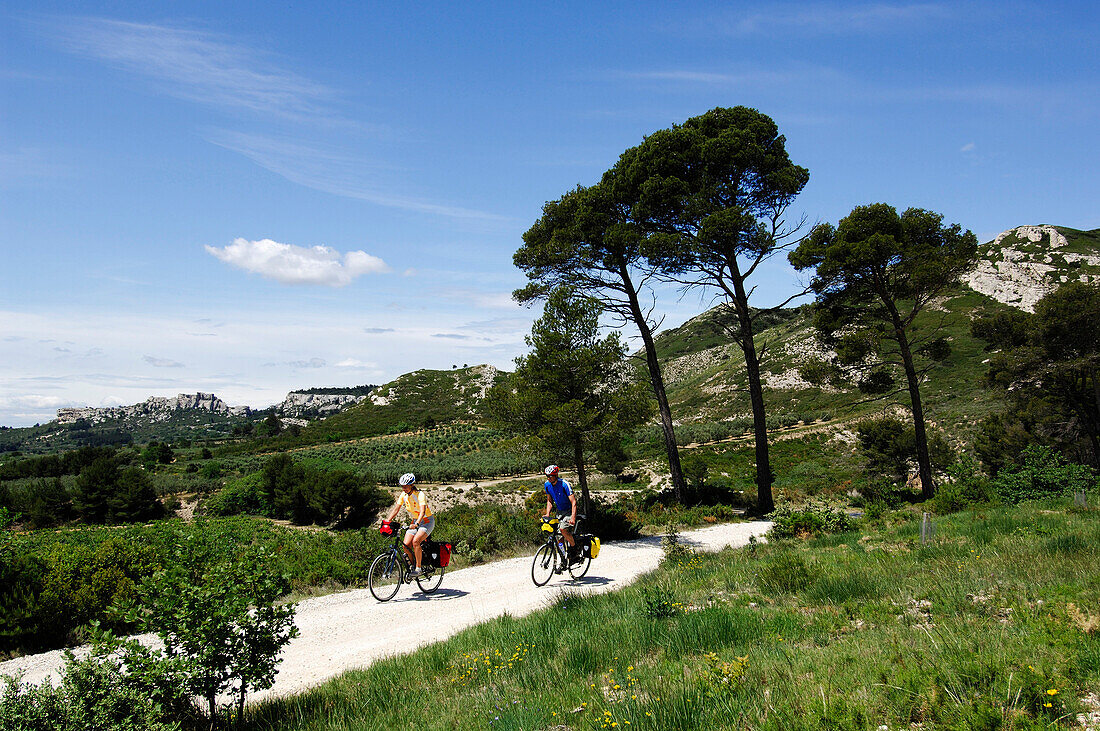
x=924, y=462
x=582, y=478
x=765, y=503
x=658, y=383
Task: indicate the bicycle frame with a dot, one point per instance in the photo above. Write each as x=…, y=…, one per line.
x=381, y=577
x=552, y=557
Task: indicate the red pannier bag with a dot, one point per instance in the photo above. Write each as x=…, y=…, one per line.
x=386, y=529
x=444, y=555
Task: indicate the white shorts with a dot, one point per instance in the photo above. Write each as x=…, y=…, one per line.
x=427, y=526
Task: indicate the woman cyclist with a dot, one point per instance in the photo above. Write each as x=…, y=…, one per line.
x=415, y=502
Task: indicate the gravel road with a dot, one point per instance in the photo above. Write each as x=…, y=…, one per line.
x=351, y=629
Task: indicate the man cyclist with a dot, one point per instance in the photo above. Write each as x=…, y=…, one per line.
x=415, y=501
x=560, y=497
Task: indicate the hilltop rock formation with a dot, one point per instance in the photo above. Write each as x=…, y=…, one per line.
x=1025, y=263
x=157, y=408
x=316, y=405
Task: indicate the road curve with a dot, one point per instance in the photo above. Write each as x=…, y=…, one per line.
x=339, y=632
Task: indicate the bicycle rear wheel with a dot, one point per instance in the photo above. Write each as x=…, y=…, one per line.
x=544, y=564
x=384, y=576
x=580, y=568
x=431, y=581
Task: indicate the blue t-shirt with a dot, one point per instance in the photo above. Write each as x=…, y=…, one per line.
x=559, y=495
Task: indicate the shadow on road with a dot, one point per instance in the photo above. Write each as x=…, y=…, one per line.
x=592, y=581
x=438, y=595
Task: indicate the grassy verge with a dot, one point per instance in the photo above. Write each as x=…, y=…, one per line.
x=996, y=624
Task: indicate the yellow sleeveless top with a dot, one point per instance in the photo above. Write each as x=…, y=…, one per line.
x=414, y=501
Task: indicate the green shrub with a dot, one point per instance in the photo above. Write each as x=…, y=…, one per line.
x=811, y=520
x=1045, y=474
x=966, y=487
x=108, y=689
x=244, y=496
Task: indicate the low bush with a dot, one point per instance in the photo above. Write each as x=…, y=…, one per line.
x=811, y=520
x=98, y=691
x=1044, y=474
x=965, y=487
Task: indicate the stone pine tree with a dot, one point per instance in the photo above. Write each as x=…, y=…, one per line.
x=574, y=392
x=712, y=195
x=587, y=241
x=875, y=273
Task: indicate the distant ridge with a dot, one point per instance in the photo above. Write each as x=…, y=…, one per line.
x=156, y=408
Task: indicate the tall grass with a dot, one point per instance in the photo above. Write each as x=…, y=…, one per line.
x=866, y=629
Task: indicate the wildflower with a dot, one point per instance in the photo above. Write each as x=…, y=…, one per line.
x=1046, y=705
x=1052, y=691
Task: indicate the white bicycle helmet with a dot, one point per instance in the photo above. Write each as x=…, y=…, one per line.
x=406, y=479
x=551, y=470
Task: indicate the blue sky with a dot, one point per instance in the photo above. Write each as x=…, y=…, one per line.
x=252, y=198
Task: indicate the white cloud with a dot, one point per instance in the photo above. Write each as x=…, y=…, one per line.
x=162, y=362
x=298, y=265
x=353, y=363
x=34, y=402
x=968, y=147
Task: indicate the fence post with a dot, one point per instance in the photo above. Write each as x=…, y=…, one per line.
x=924, y=521
x=1081, y=500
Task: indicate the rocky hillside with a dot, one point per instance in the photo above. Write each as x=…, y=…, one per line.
x=1025, y=263
x=704, y=370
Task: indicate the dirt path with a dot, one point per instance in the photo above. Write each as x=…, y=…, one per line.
x=349, y=630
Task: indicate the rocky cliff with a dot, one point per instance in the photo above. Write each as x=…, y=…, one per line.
x=1022, y=264
x=157, y=408
x=316, y=405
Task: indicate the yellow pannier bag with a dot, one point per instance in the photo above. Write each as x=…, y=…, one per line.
x=594, y=547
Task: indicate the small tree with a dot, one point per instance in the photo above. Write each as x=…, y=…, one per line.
x=875, y=273
x=587, y=241
x=219, y=619
x=573, y=392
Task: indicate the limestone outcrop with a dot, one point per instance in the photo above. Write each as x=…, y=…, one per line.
x=1025, y=263
x=316, y=405
x=157, y=408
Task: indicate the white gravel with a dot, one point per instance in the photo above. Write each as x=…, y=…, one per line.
x=351, y=629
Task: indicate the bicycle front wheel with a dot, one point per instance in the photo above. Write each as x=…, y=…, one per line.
x=384, y=577
x=544, y=564
x=580, y=567
x=430, y=582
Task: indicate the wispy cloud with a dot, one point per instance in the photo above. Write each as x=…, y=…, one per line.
x=968, y=147
x=377, y=330
x=311, y=363
x=298, y=265
x=162, y=362
x=196, y=65
x=354, y=363
x=332, y=171
x=833, y=18
x=452, y=336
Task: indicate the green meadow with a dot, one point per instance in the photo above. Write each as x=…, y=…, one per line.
x=992, y=624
